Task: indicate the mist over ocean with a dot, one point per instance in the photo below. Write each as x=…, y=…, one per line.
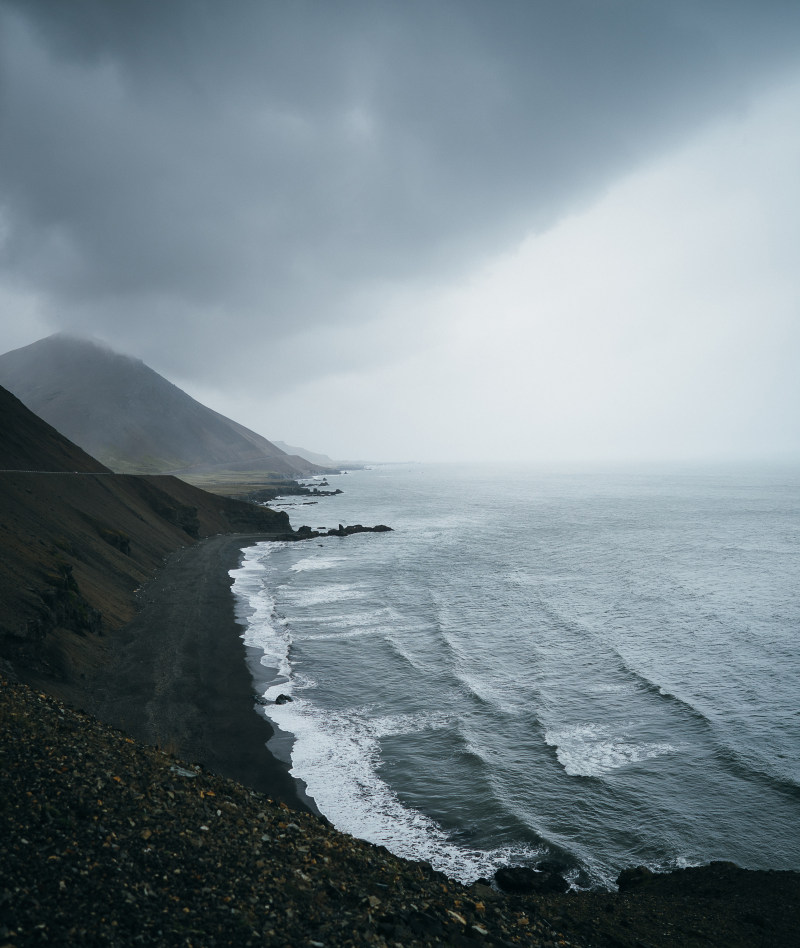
x=601, y=668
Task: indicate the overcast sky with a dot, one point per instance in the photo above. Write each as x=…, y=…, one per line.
x=547, y=230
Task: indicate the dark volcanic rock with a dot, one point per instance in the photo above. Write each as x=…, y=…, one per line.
x=524, y=880
x=357, y=528
x=109, y=842
x=632, y=878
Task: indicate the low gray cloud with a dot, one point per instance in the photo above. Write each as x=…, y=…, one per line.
x=184, y=175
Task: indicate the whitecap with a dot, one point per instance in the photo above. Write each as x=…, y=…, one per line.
x=592, y=750
x=315, y=563
x=264, y=629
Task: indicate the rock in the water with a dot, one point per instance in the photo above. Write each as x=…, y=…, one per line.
x=283, y=699
x=343, y=531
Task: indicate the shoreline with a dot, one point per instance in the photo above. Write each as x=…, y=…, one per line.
x=178, y=675
x=113, y=842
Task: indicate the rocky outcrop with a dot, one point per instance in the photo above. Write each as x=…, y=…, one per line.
x=287, y=489
x=526, y=880
x=356, y=528
x=306, y=533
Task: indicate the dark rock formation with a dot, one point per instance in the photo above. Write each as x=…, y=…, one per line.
x=287, y=488
x=66, y=608
x=524, y=880
x=342, y=531
x=633, y=877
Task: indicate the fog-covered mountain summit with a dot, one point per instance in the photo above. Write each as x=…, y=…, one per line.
x=131, y=418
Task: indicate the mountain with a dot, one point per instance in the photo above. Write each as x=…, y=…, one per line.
x=131, y=418
x=76, y=541
x=312, y=456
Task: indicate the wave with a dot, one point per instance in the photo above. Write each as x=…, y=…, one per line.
x=264, y=628
x=314, y=563
x=593, y=640
x=651, y=687
x=594, y=750
x=401, y=649
x=561, y=655
x=738, y=764
x=342, y=635
x=350, y=620
x=322, y=594
x=337, y=755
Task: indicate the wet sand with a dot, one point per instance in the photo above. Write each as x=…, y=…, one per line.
x=177, y=677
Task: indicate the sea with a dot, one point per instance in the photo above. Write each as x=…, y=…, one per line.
x=599, y=668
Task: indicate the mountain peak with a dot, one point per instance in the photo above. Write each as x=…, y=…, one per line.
x=128, y=416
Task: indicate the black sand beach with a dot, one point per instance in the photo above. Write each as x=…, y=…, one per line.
x=108, y=841
x=177, y=676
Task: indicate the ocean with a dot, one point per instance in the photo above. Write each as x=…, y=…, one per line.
x=596, y=668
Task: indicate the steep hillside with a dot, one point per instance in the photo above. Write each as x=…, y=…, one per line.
x=30, y=444
x=77, y=541
x=131, y=418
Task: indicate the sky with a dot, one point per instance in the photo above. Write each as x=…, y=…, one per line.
x=517, y=230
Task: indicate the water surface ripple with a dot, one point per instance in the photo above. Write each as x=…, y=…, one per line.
x=597, y=666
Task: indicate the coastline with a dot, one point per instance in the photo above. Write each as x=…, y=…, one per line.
x=109, y=841
x=178, y=677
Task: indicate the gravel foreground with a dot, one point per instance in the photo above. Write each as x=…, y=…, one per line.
x=108, y=842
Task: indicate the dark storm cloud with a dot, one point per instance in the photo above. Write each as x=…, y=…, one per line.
x=166, y=162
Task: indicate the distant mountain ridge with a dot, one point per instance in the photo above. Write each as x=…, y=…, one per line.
x=129, y=417
x=322, y=459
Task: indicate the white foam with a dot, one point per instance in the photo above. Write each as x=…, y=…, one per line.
x=337, y=755
x=264, y=629
x=315, y=563
x=592, y=750
x=398, y=724
x=321, y=594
